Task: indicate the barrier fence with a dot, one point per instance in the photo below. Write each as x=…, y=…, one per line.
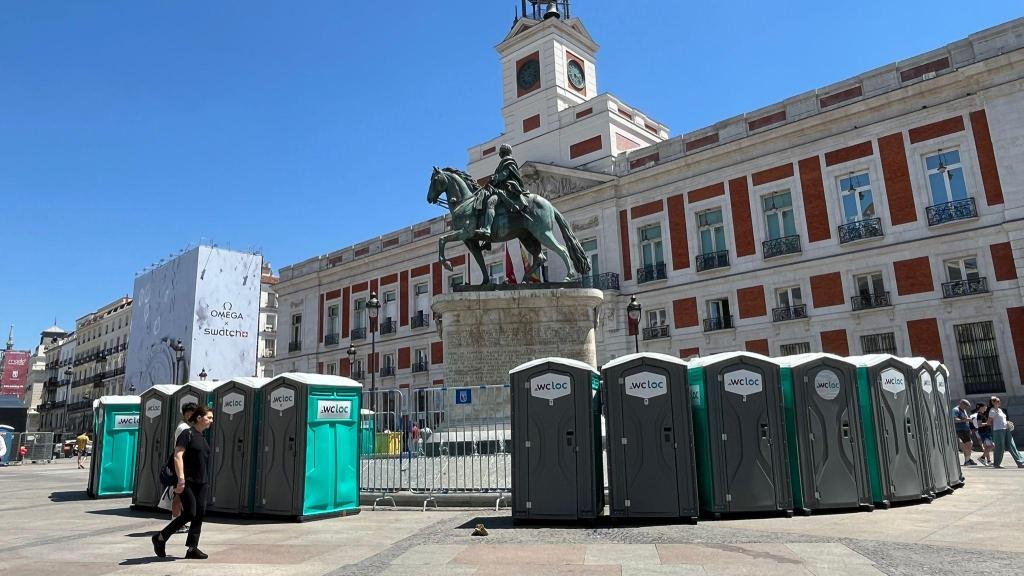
x=40, y=447
x=431, y=441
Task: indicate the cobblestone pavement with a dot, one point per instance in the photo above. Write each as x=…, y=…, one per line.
x=51, y=528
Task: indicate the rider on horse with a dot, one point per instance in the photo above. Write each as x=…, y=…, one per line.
x=506, y=183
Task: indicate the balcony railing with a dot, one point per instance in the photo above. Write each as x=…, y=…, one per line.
x=781, y=246
x=860, y=230
x=783, y=313
x=295, y=346
x=650, y=273
x=98, y=377
x=712, y=260
x=270, y=329
x=331, y=339
x=387, y=371
x=358, y=374
x=420, y=320
x=420, y=366
x=606, y=281
x=388, y=326
x=951, y=211
x=654, y=332
x=869, y=301
x=964, y=287
x=80, y=405
x=269, y=354
x=719, y=323
x=359, y=333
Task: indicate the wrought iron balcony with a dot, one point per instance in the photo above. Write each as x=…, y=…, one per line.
x=358, y=374
x=719, y=323
x=420, y=320
x=420, y=366
x=651, y=273
x=606, y=281
x=860, y=230
x=79, y=405
x=268, y=354
x=964, y=287
x=359, y=333
x=270, y=329
x=781, y=246
x=387, y=371
x=951, y=211
x=51, y=382
x=59, y=404
x=295, y=346
x=388, y=326
x=654, y=332
x=869, y=301
x=783, y=313
x=712, y=260
x=331, y=339
x=98, y=378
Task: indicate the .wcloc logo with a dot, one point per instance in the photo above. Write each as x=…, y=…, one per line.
x=893, y=381
x=926, y=382
x=645, y=385
x=550, y=386
x=940, y=383
x=333, y=409
x=232, y=403
x=282, y=398
x=742, y=382
x=126, y=421
x=826, y=384
x=153, y=408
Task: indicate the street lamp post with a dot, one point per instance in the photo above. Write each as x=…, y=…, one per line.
x=373, y=309
x=67, y=399
x=633, y=310
x=179, y=353
x=203, y=374
x=351, y=360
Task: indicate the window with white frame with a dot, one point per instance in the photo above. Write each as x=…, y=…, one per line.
x=296, y=328
x=390, y=309
x=870, y=284
x=945, y=177
x=778, y=214
x=271, y=322
x=711, y=229
x=389, y=364
x=332, y=368
x=788, y=297
x=590, y=248
x=497, y=272
x=656, y=318
x=332, y=320
x=718, y=308
x=359, y=318
x=858, y=202
x=651, y=249
x=420, y=357
x=422, y=296
x=962, y=269
x=456, y=280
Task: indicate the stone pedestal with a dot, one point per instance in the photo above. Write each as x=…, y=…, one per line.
x=487, y=333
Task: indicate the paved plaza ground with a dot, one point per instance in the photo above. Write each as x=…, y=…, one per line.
x=50, y=527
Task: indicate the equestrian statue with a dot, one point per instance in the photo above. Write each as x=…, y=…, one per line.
x=501, y=210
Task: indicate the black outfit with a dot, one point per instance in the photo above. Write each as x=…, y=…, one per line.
x=196, y=459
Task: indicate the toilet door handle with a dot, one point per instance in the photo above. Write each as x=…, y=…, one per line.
x=569, y=438
x=764, y=431
x=668, y=433
x=846, y=430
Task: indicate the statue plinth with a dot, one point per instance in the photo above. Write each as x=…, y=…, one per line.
x=487, y=333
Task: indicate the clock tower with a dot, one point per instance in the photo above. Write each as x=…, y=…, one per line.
x=552, y=111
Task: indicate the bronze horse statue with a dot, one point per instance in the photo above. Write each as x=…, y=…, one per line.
x=534, y=226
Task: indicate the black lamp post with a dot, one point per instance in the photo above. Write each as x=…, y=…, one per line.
x=87, y=419
x=67, y=399
x=351, y=360
x=373, y=309
x=203, y=374
x=633, y=310
x=179, y=353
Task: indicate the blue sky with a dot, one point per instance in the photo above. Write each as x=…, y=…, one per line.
x=132, y=129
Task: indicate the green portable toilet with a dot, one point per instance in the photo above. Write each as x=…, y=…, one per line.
x=739, y=434
x=112, y=470
x=233, y=444
x=367, y=432
x=932, y=430
x=308, y=464
x=157, y=421
x=823, y=428
x=954, y=472
x=891, y=429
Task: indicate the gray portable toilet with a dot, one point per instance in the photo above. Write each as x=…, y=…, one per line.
x=199, y=392
x=823, y=425
x=931, y=429
x=739, y=434
x=308, y=464
x=651, y=471
x=891, y=428
x=233, y=443
x=556, y=438
x=157, y=421
x=944, y=416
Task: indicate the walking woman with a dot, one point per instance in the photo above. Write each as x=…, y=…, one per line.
x=984, y=429
x=1001, y=433
x=191, y=460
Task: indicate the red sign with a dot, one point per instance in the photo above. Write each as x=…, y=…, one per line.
x=14, y=374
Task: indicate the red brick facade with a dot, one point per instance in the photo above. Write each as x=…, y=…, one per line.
x=751, y=301
x=1002, y=261
x=688, y=352
x=986, y=158
x=647, y=209
x=893, y=153
x=835, y=342
x=827, y=290
x=815, y=208
x=437, y=352
x=1016, y=317
x=684, y=312
x=677, y=232
x=936, y=129
x=743, y=228
x=758, y=346
x=772, y=174
x=717, y=189
x=924, y=338
x=627, y=265
x=913, y=276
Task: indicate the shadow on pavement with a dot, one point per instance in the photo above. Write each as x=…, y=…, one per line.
x=69, y=496
x=146, y=560
x=129, y=513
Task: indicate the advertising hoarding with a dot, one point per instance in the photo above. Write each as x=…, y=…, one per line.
x=14, y=373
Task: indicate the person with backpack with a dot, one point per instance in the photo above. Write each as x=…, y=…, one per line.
x=191, y=464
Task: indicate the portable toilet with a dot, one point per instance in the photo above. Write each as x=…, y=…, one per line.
x=891, y=429
x=646, y=403
x=308, y=464
x=199, y=392
x=557, y=465
x=7, y=437
x=932, y=431
x=233, y=444
x=739, y=434
x=157, y=421
x=823, y=428
x=367, y=432
x=112, y=469
x=954, y=472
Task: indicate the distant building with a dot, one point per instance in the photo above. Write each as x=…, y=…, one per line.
x=268, y=323
x=100, y=356
x=38, y=375
x=52, y=406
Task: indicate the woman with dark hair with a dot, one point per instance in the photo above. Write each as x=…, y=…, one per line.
x=984, y=428
x=191, y=460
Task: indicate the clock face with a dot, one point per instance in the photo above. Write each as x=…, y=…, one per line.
x=576, y=75
x=528, y=75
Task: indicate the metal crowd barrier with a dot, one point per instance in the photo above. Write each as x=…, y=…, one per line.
x=431, y=441
x=39, y=447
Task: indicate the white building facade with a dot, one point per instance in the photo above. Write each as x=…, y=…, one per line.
x=98, y=365
x=267, y=350
x=879, y=214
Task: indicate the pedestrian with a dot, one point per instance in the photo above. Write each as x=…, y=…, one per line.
x=191, y=462
x=1002, y=434
x=984, y=429
x=81, y=443
x=3, y=447
x=962, y=425
x=22, y=452
x=186, y=412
